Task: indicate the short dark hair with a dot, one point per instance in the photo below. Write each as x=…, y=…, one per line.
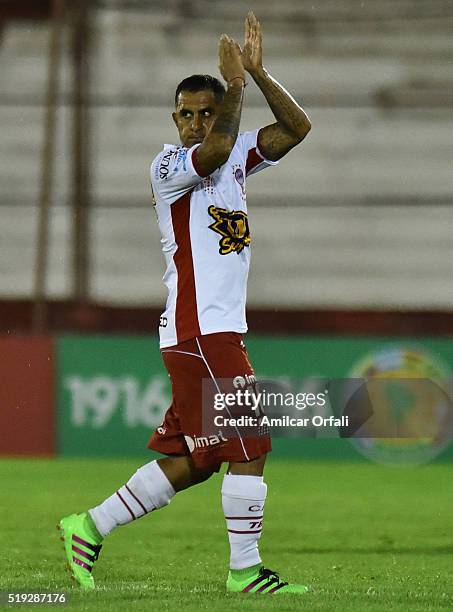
x=201, y=82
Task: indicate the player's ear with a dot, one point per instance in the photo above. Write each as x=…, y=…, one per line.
x=175, y=119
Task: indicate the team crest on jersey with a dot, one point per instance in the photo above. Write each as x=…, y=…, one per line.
x=238, y=174
x=233, y=226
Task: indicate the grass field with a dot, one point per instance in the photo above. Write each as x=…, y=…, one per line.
x=364, y=537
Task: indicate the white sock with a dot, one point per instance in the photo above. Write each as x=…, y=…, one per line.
x=147, y=490
x=243, y=500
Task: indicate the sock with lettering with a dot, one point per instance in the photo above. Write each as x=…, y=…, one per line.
x=243, y=500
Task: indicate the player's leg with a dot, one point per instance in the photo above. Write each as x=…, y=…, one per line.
x=243, y=500
x=182, y=472
x=243, y=489
x=243, y=497
x=150, y=488
x=248, y=468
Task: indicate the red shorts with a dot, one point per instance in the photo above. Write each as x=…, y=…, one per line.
x=214, y=356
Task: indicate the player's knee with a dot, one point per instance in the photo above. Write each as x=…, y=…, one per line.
x=201, y=475
x=255, y=467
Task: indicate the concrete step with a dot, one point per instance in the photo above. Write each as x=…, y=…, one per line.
x=393, y=257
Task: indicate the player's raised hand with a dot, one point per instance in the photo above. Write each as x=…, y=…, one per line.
x=252, y=54
x=230, y=60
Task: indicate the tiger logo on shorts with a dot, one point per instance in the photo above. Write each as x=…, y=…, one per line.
x=233, y=226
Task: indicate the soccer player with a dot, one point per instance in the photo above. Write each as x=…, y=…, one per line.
x=200, y=201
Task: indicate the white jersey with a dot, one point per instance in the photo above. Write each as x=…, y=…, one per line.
x=205, y=239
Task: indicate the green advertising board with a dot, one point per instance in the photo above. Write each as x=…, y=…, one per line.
x=112, y=392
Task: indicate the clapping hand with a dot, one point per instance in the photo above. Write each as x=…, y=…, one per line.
x=252, y=54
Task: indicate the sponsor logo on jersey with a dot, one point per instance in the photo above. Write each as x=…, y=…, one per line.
x=181, y=159
x=204, y=441
x=164, y=166
x=239, y=382
x=233, y=226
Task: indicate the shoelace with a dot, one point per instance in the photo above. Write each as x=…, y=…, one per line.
x=269, y=574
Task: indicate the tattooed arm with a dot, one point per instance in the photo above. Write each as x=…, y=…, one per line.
x=219, y=142
x=292, y=125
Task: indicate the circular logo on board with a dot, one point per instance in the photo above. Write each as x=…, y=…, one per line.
x=410, y=405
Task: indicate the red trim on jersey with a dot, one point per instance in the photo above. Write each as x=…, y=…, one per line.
x=186, y=316
x=195, y=165
x=253, y=160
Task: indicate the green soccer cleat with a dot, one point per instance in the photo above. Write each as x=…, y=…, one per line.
x=82, y=547
x=258, y=579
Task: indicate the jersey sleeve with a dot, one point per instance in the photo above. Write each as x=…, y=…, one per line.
x=254, y=159
x=174, y=172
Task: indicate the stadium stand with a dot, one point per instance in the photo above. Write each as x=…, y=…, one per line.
x=359, y=215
